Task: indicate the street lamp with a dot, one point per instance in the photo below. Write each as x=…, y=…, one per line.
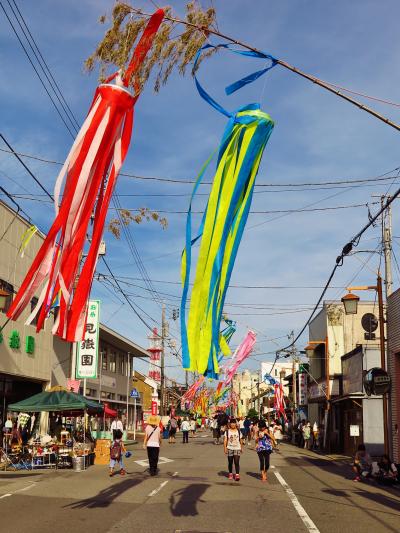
x=350, y=302
x=4, y=295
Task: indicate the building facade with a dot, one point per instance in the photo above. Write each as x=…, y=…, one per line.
x=29, y=362
x=360, y=417
x=333, y=334
x=246, y=385
x=393, y=367
x=116, y=376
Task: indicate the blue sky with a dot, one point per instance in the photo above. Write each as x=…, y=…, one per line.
x=317, y=137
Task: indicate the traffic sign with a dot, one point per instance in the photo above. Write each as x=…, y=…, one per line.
x=135, y=393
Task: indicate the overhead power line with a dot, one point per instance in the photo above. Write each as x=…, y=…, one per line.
x=341, y=181
x=347, y=248
x=62, y=115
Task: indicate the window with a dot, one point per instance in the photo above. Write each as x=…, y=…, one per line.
x=10, y=289
x=104, y=360
x=34, y=302
x=112, y=363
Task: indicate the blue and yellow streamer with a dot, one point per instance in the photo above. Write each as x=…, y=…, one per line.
x=222, y=226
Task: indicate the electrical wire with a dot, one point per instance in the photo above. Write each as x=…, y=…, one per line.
x=347, y=248
x=381, y=177
x=35, y=69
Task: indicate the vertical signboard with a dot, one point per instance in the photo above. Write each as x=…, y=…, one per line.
x=88, y=348
x=302, y=389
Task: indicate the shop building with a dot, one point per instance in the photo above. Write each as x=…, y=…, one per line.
x=333, y=334
x=247, y=386
x=393, y=367
x=29, y=362
x=360, y=417
x=116, y=375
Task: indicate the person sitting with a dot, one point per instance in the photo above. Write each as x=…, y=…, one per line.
x=388, y=474
x=362, y=463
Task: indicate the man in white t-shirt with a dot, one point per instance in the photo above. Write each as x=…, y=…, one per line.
x=116, y=424
x=185, y=427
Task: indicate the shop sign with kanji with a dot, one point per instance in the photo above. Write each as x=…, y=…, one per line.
x=87, y=349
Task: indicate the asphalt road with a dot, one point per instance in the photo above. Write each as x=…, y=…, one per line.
x=192, y=494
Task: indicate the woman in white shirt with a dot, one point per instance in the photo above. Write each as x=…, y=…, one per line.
x=152, y=442
x=233, y=448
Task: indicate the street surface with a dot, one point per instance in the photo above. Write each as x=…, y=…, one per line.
x=192, y=494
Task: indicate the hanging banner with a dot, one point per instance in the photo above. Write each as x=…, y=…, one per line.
x=88, y=349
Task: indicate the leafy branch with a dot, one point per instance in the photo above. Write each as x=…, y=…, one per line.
x=126, y=217
x=170, y=49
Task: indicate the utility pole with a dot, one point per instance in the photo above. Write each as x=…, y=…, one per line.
x=258, y=392
x=163, y=335
x=383, y=361
x=293, y=352
x=387, y=245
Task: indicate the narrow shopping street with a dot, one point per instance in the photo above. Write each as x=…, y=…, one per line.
x=305, y=492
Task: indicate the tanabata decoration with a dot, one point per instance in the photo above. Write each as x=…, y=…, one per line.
x=225, y=337
x=241, y=353
x=90, y=172
x=279, y=400
x=222, y=226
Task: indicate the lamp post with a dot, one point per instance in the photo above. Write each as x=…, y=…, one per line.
x=350, y=302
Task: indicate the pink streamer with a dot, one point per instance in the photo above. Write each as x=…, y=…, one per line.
x=241, y=353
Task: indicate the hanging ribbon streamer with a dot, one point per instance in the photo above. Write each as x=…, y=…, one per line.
x=222, y=226
x=90, y=174
x=225, y=337
x=241, y=353
x=279, y=400
x=25, y=239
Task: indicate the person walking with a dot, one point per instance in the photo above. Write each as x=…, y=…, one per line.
x=307, y=435
x=265, y=443
x=152, y=442
x=233, y=448
x=172, y=427
x=185, y=427
x=116, y=453
x=315, y=431
x=116, y=424
x=254, y=430
x=247, y=426
x=215, y=430
x=278, y=434
x=193, y=427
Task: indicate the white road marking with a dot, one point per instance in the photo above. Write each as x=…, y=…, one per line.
x=174, y=474
x=157, y=490
x=161, y=460
x=25, y=488
x=18, y=490
x=272, y=466
x=297, y=505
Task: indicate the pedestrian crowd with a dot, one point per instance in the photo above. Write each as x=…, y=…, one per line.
x=235, y=434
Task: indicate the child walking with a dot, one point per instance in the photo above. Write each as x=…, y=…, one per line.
x=233, y=448
x=116, y=452
x=264, y=446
